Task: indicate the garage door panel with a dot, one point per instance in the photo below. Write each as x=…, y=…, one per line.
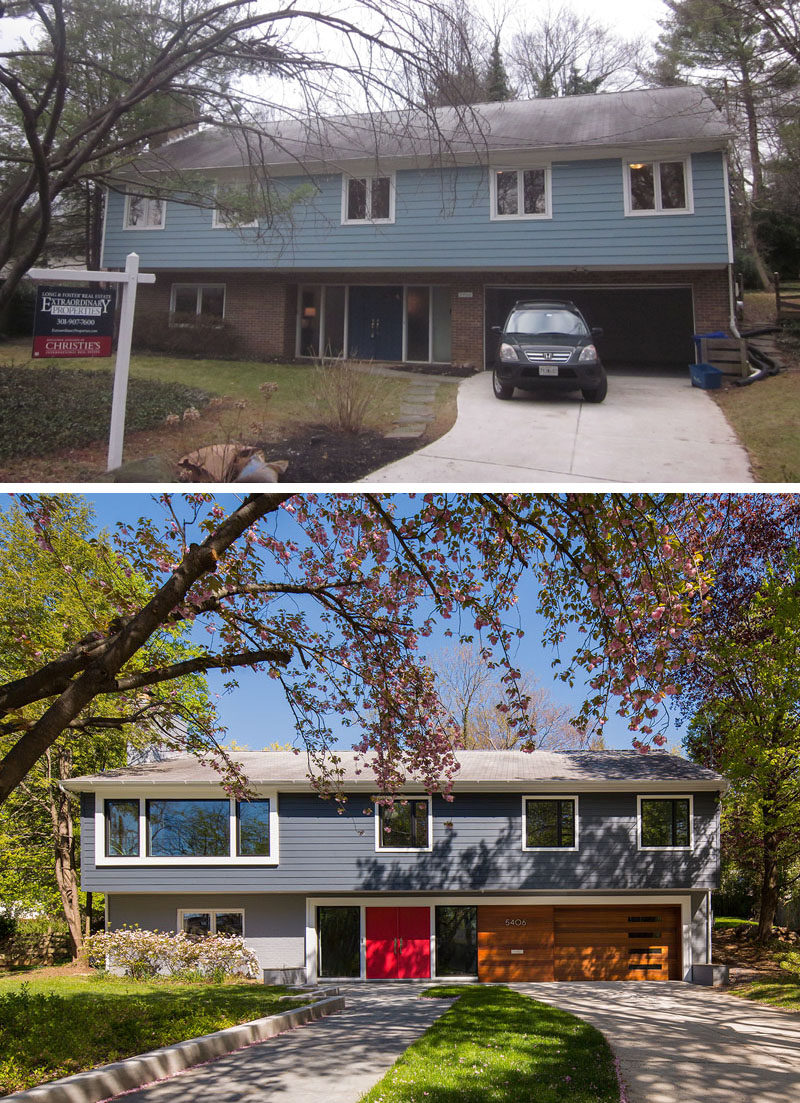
x=575, y=942
x=642, y=326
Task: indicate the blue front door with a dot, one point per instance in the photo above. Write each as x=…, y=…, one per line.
x=375, y=323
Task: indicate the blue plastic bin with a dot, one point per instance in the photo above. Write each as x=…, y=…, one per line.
x=706, y=376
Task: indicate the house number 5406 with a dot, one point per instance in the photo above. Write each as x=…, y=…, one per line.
x=516, y=922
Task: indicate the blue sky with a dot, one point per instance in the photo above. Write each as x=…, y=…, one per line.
x=256, y=714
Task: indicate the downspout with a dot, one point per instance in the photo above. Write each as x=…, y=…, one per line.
x=709, y=925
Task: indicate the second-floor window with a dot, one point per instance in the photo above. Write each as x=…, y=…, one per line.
x=404, y=826
x=550, y=823
x=167, y=829
x=142, y=213
x=665, y=823
x=520, y=193
x=657, y=187
x=368, y=199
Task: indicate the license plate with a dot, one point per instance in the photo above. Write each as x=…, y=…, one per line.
x=548, y=369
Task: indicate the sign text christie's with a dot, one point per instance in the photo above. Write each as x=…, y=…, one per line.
x=73, y=321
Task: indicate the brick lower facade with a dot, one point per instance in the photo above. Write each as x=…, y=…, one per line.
x=261, y=307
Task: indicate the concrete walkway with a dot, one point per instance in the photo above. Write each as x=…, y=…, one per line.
x=678, y=1043
x=334, y=1060
x=651, y=428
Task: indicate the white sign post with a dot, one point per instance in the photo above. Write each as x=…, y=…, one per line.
x=130, y=279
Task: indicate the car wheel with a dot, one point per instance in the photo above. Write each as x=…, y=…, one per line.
x=595, y=394
x=501, y=389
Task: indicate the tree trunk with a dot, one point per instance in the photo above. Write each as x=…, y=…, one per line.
x=64, y=846
x=769, y=887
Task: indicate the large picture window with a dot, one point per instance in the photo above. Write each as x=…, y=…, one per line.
x=665, y=823
x=404, y=826
x=188, y=828
x=520, y=193
x=657, y=187
x=171, y=829
x=550, y=823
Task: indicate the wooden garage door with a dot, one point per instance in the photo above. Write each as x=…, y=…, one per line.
x=515, y=943
x=616, y=943
x=518, y=943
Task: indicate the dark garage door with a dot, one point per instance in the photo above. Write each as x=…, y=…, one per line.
x=642, y=326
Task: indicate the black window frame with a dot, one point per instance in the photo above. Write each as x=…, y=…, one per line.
x=557, y=801
x=674, y=801
x=412, y=803
x=121, y=800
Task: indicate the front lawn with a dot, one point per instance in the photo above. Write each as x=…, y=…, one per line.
x=765, y=415
x=55, y=1026
x=498, y=1046
x=54, y=417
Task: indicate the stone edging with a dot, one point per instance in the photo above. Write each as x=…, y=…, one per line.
x=109, y=1080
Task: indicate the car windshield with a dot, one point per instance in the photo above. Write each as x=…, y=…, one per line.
x=540, y=322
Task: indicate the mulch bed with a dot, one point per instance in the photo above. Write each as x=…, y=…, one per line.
x=320, y=455
x=748, y=959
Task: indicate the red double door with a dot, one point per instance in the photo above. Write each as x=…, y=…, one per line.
x=398, y=943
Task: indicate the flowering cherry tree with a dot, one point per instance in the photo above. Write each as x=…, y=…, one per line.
x=335, y=597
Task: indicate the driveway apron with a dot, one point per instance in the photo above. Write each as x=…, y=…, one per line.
x=678, y=1043
x=651, y=428
x=333, y=1060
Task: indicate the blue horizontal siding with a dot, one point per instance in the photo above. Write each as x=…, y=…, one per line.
x=442, y=221
x=321, y=851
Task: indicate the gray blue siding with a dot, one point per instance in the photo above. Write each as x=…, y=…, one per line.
x=442, y=221
x=322, y=852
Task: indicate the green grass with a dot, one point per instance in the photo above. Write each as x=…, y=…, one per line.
x=726, y=923
x=498, y=1046
x=58, y=1026
x=294, y=402
x=783, y=992
x=48, y=408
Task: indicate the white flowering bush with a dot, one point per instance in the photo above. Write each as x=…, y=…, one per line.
x=139, y=953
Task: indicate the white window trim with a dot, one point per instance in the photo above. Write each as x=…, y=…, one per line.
x=369, y=178
x=551, y=849
x=143, y=859
x=213, y=912
x=658, y=210
x=126, y=225
x=664, y=796
x=404, y=849
x=548, y=195
x=197, y=287
x=217, y=223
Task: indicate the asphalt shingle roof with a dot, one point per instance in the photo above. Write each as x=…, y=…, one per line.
x=681, y=115
x=487, y=769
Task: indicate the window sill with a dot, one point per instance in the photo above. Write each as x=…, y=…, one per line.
x=185, y=862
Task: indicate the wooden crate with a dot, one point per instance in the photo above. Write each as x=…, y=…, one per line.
x=728, y=354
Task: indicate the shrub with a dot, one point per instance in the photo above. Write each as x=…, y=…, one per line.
x=347, y=393
x=140, y=954
x=185, y=335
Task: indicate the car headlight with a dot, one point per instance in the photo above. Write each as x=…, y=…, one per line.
x=587, y=353
x=508, y=352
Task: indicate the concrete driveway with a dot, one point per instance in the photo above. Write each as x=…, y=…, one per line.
x=678, y=1043
x=651, y=428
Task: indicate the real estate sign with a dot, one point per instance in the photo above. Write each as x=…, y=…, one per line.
x=73, y=321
